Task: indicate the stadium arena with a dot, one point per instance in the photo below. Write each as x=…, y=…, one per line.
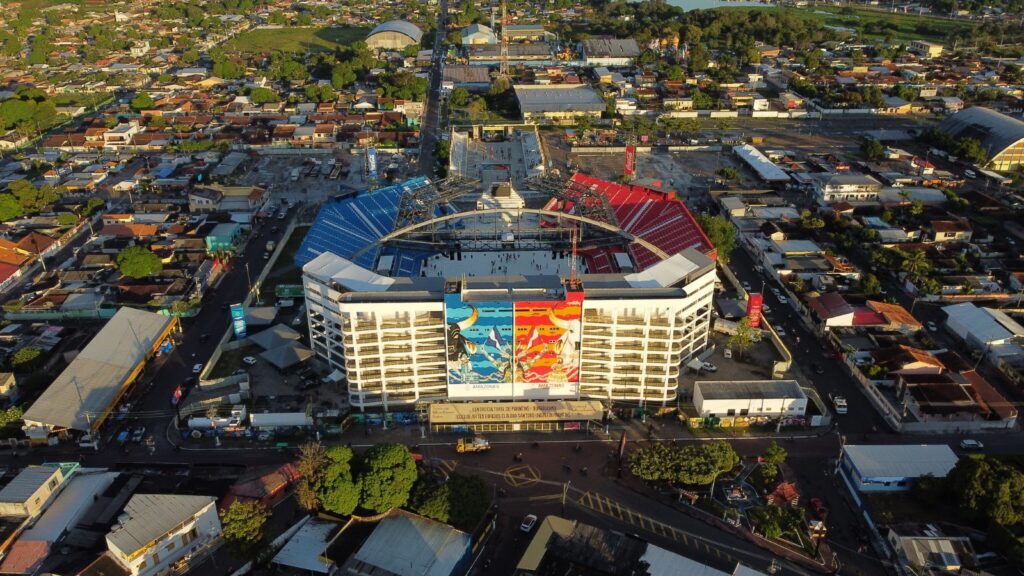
x=578, y=289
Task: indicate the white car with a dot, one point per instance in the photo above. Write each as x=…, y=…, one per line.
x=781, y=298
x=970, y=174
x=780, y=331
x=528, y=523
x=968, y=444
x=709, y=367
x=197, y=368
x=840, y=403
x=249, y=360
x=931, y=326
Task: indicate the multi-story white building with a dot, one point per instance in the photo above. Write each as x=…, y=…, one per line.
x=410, y=300
x=614, y=336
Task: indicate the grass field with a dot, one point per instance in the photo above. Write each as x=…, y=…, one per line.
x=905, y=26
x=874, y=24
x=295, y=39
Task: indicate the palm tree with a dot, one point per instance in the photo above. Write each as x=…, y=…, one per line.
x=916, y=264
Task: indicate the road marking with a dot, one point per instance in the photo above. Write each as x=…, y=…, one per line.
x=523, y=475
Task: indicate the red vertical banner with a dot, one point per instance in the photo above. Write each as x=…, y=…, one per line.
x=630, y=167
x=754, y=303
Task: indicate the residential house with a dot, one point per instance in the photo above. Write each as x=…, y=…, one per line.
x=32, y=490
x=155, y=531
x=847, y=187
x=951, y=230
x=925, y=550
x=204, y=200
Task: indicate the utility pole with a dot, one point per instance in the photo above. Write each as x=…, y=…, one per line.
x=503, y=59
x=565, y=492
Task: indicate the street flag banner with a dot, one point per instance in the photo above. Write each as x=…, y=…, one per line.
x=754, y=305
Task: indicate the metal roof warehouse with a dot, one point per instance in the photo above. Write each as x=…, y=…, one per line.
x=85, y=393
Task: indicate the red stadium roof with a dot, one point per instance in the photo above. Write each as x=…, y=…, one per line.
x=657, y=217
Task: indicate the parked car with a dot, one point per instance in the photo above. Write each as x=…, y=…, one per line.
x=709, y=367
x=780, y=331
x=782, y=299
x=839, y=402
x=249, y=360
x=968, y=444
x=138, y=434
x=931, y=326
x=197, y=368
x=970, y=174
x=528, y=523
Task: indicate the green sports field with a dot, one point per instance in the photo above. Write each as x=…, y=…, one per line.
x=295, y=39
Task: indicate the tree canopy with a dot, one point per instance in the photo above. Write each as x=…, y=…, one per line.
x=339, y=492
x=142, y=101
x=692, y=465
x=138, y=262
x=721, y=233
x=243, y=524
x=462, y=501
x=387, y=475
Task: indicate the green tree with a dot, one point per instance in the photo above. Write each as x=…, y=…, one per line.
x=263, y=96
x=774, y=456
x=138, y=262
x=872, y=149
x=319, y=93
x=387, y=475
x=342, y=75
x=243, y=524
x=461, y=501
x=142, y=101
x=809, y=221
x=916, y=265
x=743, y=339
x=312, y=461
x=10, y=208
x=870, y=285
x=25, y=359
x=767, y=520
x=916, y=208
x=11, y=415
x=693, y=465
x=459, y=97
x=721, y=233
x=338, y=492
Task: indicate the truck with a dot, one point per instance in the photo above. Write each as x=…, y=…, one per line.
x=476, y=444
x=271, y=245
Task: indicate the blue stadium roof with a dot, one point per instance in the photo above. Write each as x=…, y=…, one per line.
x=348, y=225
x=400, y=26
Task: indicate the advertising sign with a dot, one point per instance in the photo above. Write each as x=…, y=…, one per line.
x=289, y=291
x=630, y=167
x=754, y=303
x=479, y=348
x=547, y=347
x=371, y=162
x=238, y=321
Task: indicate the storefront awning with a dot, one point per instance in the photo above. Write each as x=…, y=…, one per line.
x=516, y=412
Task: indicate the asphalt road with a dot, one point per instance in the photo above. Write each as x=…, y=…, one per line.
x=431, y=121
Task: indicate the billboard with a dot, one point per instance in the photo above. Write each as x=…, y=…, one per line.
x=630, y=167
x=479, y=348
x=754, y=303
x=547, y=347
x=371, y=162
x=238, y=321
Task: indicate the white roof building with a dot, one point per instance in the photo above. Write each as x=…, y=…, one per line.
x=890, y=468
x=85, y=393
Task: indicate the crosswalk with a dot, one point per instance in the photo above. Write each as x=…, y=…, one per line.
x=608, y=507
